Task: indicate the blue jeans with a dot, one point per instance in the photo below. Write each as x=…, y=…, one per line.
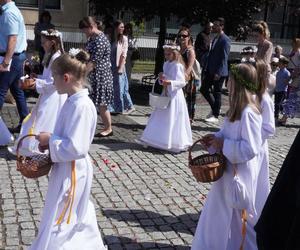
x=10, y=80
x=122, y=99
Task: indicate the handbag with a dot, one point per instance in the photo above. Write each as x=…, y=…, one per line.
x=238, y=196
x=196, y=71
x=239, y=199
x=159, y=101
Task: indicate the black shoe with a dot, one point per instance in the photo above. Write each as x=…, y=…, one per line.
x=102, y=135
x=15, y=130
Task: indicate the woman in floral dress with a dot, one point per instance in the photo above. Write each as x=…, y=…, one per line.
x=100, y=78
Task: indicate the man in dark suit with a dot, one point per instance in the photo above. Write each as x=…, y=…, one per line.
x=216, y=70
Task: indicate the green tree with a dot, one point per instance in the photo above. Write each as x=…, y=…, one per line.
x=237, y=13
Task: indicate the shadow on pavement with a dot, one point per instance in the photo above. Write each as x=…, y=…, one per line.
x=114, y=243
x=156, y=222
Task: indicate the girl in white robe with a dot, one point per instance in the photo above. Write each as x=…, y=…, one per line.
x=5, y=136
x=220, y=224
x=170, y=128
x=69, y=220
x=268, y=130
x=45, y=113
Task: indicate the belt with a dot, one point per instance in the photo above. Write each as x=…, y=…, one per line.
x=15, y=54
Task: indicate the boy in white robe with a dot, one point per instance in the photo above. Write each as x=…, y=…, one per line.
x=45, y=113
x=220, y=224
x=170, y=128
x=69, y=219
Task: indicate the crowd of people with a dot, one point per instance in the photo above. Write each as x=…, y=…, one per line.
x=234, y=203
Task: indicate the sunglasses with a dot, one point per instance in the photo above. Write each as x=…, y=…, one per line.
x=183, y=36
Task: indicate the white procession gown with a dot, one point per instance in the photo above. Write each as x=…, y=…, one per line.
x=268, y=130
x=5, y=136
x=46, y=111
x=71, y=140
x=220, y=225
x=170, y=128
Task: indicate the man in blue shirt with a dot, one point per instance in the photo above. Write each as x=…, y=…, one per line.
x=12, y=56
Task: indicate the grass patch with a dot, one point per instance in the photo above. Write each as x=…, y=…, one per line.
x=146, y=67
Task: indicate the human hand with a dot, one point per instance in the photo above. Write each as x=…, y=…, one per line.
x=165, y=83
x=217, y=77
x=205, y=140
x=3, y=69
x=161, y=76
x=216, y=143
x=43, y=138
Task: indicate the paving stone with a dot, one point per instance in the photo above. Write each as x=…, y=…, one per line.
x=150, y=201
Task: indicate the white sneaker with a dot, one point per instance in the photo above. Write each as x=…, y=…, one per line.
x=129, y=111
x=12, y=150
x=210, y=114
x=212, y=120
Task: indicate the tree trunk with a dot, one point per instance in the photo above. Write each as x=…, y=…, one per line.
x=41, y=4
x=159, y=56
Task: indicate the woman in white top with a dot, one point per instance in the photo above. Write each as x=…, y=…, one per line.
x=119, y=46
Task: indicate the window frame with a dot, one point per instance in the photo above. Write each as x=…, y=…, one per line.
x=32, y=6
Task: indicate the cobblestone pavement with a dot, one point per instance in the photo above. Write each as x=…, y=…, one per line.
x=145, y=198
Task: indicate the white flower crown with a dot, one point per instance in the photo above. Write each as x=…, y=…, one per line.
x=172, y=47
x=74, y=51
x=55, y=33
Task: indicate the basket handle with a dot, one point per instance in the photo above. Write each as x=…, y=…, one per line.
x=20, y=142
x=191, y=148
x=154, y=85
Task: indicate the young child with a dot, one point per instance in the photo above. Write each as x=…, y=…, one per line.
x=44, y=115
x=248, y=54
x=282, y=82
x=170, y=128
x=69, y=218
x=220, y=224
x=268, y=130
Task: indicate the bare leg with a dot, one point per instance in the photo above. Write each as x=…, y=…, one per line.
x=106, y=119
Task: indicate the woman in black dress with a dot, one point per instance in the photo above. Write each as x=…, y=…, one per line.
x=100, y=78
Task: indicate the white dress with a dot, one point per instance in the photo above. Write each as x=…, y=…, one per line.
x=71, y=140
x=44, y=114
x=5, y=136
x=268, y=130
x=170, y=128
x=220, y=225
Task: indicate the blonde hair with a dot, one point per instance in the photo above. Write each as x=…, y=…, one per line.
x=177, y=55
x=262, y=28
x=296, y=42
x=241, y=97
x=75, y=65
x=262, y=78
x=53, y=36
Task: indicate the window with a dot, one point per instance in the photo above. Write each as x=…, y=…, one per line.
x=49, y=4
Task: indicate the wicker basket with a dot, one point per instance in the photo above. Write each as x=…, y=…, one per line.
x=33, y=166
x=207, y=168
x=28, y=83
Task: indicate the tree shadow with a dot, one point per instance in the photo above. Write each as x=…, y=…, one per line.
x=207, y=129
x=156, y=222
x=122, y=242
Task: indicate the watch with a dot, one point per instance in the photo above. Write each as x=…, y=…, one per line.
x=5, y=65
